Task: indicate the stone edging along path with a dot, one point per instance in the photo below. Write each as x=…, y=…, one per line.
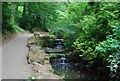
x=39, y=61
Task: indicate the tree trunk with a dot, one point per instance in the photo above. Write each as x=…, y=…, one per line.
x=13, y=12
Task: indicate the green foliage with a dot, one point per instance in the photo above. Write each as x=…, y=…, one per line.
x=61, y=32
x=94, y=29
x=108, y=47
x=30, y=16
x=109, y=50
x=76, y=11
x=87, y=49
x=53, y=55
x=114, y=66
x=66, y=34
x=10, y=17
x=48, y=37
x=90, y=29
x=17, y=29
x=98, y=35
x=58, y=32
x=48, y=40
x=39, y=15
x=6, y=23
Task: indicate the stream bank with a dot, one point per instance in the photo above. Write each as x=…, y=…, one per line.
x=39, y=60
x=47, y=55
x=64, y=66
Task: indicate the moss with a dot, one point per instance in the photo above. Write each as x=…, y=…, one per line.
x=53, y=55
x=37, y=34
x=48, y=41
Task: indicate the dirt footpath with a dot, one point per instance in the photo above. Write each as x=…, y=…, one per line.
x=14, y=64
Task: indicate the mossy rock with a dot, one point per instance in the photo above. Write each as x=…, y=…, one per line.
x=33, y=40
x=48, y=37
x=48, y=40
x=36, y=55
x=37, y=34
x=54, y=55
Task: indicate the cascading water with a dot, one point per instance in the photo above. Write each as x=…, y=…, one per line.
x=59, y=44
x=65, y=68
x=63, y=59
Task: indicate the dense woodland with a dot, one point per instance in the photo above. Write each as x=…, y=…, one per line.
x=91, y=30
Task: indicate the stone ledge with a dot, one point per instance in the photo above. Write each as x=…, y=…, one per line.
x=39, y=60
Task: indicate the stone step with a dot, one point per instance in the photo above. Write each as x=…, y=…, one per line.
x=51, y=50
x=61, y=40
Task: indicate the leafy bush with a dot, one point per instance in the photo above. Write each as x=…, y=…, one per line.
x=114, y=65
x=58, y=32
x=48, y=37
x=66, y=34
x=107, y=47
x=18, y=29
x=87, y=48
x=69, y=39
x=48, y=40
x=109, y=50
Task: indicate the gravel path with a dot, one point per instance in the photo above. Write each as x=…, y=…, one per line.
x=14, y=63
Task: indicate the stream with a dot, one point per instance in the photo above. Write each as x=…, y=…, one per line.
x=67, y=69
x=64, y=67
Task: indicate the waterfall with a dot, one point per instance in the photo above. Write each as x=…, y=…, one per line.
x=59, y=43
x=63, y=66
x=63, y=60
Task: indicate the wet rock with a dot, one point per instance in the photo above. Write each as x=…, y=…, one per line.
x=51, y=50
x=36, y=34
x=59, y=40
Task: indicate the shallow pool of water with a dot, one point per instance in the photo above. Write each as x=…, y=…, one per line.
x=69, y=70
